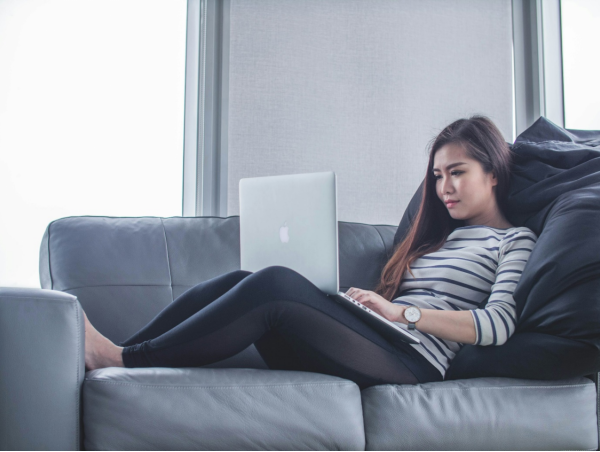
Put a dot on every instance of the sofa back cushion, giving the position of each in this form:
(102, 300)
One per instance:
(125, 270)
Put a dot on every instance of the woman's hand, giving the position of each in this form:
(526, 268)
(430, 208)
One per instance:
(377, 303)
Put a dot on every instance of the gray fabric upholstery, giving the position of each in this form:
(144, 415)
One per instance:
(117, 267)
(482, 414)
(220, 409)
(41, 369)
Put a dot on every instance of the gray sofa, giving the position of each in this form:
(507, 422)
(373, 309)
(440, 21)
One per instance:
(122, 271)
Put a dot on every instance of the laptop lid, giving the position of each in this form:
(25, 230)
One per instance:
(291, 220)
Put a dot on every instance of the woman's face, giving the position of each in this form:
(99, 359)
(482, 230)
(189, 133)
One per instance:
(462, 179)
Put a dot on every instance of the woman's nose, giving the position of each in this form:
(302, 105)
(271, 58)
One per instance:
(447, 185)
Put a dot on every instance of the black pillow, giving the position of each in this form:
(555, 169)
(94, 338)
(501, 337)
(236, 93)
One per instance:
(554, 191)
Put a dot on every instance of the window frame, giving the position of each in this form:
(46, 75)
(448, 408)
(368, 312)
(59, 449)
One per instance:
(206, 109)
(538, 73)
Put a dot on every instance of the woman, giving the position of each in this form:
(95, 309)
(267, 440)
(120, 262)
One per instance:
(440, 271)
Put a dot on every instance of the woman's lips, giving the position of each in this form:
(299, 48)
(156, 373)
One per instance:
(451, 204)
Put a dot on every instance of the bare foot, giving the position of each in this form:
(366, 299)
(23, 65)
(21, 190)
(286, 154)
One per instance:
(99, 351)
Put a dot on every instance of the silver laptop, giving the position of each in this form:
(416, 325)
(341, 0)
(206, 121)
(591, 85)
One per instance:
(291, 221)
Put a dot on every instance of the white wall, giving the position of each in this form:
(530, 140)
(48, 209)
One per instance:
(91, 117)
(360, 87)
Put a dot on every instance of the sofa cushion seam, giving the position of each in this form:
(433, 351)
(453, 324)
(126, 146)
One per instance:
(49, 260)
(597, 384)
(168, 260)
(59, 300)
(383, 243)
(119, 285)
(350, 384)
(487, 387)
(78, 398)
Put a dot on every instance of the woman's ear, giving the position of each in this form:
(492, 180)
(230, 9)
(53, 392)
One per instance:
(493, 178)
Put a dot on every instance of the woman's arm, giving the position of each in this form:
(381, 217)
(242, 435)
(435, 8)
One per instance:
(457, 326)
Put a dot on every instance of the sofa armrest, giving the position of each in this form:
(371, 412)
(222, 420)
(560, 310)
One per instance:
(42, 369)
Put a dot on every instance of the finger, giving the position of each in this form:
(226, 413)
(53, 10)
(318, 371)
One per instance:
(369, 303)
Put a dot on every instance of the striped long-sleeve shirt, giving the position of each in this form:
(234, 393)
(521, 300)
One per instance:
(475, 263)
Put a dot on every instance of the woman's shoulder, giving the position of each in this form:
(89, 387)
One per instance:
(499, 232)
(478, 230)
(504, 239)
(520, 233)
(519, 239)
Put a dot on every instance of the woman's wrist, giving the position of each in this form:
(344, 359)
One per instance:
(400, 314)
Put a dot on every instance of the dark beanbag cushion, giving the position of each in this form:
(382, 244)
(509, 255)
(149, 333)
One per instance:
(555, 191)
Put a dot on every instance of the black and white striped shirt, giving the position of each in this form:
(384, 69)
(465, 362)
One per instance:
(474, 263)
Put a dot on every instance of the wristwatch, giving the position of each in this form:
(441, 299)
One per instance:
(413, 315)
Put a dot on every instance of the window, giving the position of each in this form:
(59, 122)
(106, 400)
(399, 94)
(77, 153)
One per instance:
(91, 117)
(580, 20)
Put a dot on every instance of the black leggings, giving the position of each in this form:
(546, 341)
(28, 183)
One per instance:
(292, 323)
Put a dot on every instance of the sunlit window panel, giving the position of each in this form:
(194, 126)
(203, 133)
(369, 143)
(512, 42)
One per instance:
(580, 21)
(91, 117)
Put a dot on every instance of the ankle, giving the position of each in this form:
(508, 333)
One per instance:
(117, 356)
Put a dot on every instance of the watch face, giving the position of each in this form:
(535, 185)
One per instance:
(412, 314)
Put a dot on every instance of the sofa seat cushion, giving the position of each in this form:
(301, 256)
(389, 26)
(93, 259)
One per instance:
(493, 413)
(220, 409)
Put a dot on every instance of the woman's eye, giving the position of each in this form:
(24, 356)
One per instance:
(453, 173)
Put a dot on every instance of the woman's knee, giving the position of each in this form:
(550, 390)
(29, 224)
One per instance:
(277, 273)
(240, 273)
(234, 277)
(277, 279)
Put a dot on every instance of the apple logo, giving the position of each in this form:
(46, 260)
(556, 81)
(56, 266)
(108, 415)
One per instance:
(283, 233)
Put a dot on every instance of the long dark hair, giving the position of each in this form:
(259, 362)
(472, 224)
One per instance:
(483, 142)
